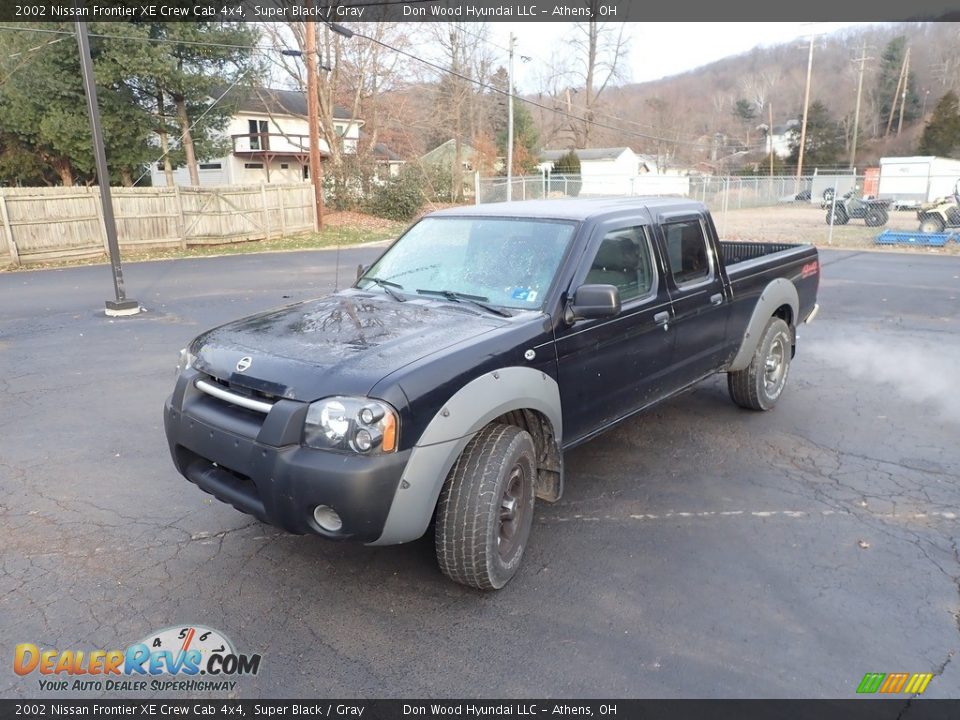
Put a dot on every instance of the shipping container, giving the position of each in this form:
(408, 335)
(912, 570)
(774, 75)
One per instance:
(910, 181)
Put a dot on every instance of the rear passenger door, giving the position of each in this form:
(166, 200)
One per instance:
(699, 295)
(611, 367)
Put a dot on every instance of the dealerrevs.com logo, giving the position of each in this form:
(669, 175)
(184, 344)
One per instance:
(187, 658)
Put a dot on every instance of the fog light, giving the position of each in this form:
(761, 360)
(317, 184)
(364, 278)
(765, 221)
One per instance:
(327, 518)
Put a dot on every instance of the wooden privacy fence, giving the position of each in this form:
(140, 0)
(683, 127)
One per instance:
(42, 224)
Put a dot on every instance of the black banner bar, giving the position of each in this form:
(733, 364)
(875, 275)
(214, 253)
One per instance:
(471, 10)
(854, 709)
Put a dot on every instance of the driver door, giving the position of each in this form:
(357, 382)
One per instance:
(611, 367)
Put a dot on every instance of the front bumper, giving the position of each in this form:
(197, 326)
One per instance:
(255, 462)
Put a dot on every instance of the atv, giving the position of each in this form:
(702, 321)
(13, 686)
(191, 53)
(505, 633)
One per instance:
(942, 213)
(851, 205)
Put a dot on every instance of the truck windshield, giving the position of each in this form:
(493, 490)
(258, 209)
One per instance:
(507, 262)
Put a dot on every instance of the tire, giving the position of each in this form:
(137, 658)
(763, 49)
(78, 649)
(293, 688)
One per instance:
(875, 217)
(486, 508)
(840, 216)
(932, 224)
(760, 384)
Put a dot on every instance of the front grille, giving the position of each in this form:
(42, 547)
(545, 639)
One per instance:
(224, 393)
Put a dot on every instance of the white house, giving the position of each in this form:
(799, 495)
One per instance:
(779, 139)
(269, 139)
(619, 171)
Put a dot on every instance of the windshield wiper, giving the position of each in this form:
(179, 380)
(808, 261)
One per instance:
(386, 285)
(477, 300)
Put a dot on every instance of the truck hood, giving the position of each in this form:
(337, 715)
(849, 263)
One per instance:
(342, 344)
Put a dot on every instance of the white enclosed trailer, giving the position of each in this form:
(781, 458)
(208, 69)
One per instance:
(911, 181)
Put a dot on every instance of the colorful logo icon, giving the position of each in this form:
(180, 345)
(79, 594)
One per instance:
(894, 683)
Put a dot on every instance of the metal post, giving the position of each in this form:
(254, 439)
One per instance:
(121, 305)
(313, 117)
(833, 210)
(806, 107)
(510, 122)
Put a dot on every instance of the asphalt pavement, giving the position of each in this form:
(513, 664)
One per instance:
(699, 551)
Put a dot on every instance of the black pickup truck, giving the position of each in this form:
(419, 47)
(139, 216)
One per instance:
(445, 385)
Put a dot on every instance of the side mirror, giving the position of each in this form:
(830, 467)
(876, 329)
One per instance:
(361, 269)
(594, 301)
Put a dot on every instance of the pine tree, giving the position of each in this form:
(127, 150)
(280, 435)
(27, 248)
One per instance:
(941, 136)
(891, 62)
(823, 143)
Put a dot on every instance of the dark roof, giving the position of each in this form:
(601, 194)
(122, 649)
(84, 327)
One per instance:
(569, 208)
(383, 152)
(273, 101)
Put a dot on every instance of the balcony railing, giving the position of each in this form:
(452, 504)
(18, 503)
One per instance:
(272, 143)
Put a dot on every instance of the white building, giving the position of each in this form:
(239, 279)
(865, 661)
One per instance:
(269, 137)
(619, 171)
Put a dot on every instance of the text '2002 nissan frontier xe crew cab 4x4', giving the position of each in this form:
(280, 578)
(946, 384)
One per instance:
(445, 385)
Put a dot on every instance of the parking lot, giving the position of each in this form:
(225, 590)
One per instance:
(699, 551)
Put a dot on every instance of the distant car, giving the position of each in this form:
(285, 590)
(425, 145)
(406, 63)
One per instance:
(802, 196)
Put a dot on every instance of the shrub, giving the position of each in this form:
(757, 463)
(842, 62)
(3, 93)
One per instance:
(400, 198)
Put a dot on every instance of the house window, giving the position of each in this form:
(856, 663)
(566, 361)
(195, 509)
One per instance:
(253, 166)
(284, 166)
(259, 140)
(211, 166)
(306, 172)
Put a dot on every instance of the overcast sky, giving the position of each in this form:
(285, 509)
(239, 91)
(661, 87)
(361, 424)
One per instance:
(657, 49)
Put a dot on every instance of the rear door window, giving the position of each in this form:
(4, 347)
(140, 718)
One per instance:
(687, 252)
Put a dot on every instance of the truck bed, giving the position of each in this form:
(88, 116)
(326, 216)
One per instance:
(736, 252)
(752, 265)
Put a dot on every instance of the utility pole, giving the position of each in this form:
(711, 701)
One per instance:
(121, 305)
(316, 171)
(806, 107)
(510, 121)
(896, 97)
(903, 97)
(770, 134)
(856, 114)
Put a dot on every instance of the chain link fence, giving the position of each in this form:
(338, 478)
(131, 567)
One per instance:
(822, 207)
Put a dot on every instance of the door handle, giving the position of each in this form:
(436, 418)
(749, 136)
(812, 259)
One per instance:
(716, 299)
(662, 318)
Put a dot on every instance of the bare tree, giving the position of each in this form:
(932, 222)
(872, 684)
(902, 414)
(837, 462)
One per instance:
(600, 51)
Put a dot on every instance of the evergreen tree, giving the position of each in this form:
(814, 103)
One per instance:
(567, 164)
(941, 136)
(43, 111)
(526, 140)
(891, 62)
(824, 142)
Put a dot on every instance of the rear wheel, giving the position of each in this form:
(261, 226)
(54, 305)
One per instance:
(760, 384)
(931, 224)
(486, 508)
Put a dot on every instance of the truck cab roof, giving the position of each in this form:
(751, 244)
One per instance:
(579, 209)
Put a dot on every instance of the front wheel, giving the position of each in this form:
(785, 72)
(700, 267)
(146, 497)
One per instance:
(875, 217)
(932, 224)
(486, 508)
(840, 216)
(760, 384)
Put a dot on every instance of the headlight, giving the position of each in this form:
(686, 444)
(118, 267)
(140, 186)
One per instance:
(186, 361)
(349, 424)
